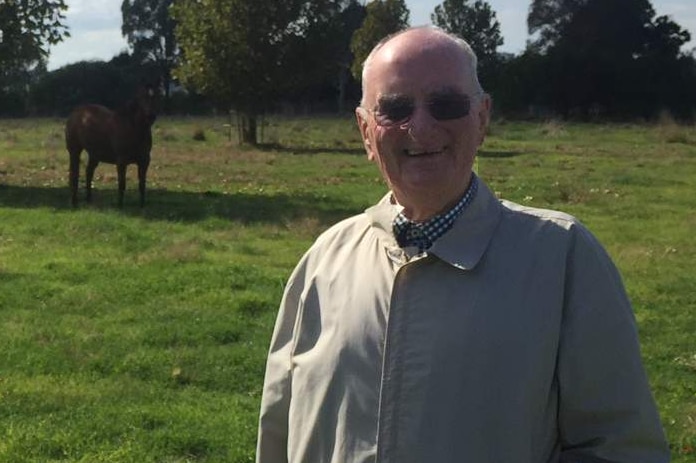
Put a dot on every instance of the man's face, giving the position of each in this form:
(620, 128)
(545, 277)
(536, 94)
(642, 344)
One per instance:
(424, 121)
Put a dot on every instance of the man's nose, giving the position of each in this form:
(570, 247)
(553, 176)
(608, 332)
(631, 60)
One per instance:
(420, 123)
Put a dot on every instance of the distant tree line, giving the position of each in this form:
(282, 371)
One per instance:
(585, 59)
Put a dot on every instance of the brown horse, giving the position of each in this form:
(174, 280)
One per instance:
(120, 137)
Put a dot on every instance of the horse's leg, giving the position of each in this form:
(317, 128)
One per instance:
(142, 179)
(89, 175)
(121, 171)
(74, 175)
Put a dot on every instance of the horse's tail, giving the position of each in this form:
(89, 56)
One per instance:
(72, 136)
(73, 144)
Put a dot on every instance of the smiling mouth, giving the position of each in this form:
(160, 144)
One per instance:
(421, 153)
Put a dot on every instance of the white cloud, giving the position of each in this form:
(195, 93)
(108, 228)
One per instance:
(79, 10)
(95, 29)
(87, 45)
(513, 30)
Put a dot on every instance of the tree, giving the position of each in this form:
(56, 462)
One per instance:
(248, 53)
(623, 26)
(59, 91)
(601, 55)
(149, 29)
(475, 23)
(383, 17)
(27, 29)
(668, 72)
(666, 37)
(549, 18)
(352, 18)
(322, 52)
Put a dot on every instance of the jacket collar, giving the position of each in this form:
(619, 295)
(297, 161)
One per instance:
(464, 244)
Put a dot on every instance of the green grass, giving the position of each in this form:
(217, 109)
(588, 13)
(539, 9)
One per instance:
(140, 335)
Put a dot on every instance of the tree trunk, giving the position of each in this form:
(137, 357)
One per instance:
(342, 83)
(249, 129)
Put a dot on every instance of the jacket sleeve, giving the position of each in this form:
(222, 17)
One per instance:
(272, 442)
(606, 410)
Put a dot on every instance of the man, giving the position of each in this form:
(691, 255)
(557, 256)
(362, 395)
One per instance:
(444, 325)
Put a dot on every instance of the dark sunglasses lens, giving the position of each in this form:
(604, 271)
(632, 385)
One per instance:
(449, 107)
(393, 112)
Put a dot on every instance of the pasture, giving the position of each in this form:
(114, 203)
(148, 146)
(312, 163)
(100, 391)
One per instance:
(140, 334)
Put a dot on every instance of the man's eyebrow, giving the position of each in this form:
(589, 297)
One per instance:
(393, 98)
(448, 91)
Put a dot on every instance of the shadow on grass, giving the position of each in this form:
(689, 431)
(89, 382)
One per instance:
(499, 154)
(309, 150)
(4, 276)
(188, 206)
(299, 150)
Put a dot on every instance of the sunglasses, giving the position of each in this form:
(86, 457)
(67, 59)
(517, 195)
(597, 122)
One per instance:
(393, 110)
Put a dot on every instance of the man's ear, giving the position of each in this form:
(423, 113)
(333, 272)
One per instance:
(361, 116)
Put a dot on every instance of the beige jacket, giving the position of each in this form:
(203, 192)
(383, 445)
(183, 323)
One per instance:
(511, 341)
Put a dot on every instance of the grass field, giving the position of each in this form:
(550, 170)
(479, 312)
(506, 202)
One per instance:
(140, 335)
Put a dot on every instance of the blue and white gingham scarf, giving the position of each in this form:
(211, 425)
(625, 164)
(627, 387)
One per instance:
(422, 235)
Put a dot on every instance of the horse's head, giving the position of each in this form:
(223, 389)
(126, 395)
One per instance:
(147, 102)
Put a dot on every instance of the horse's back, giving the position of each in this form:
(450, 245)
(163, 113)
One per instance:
(120, 136)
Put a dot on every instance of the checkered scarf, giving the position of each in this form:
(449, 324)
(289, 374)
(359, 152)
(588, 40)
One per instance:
(423, 234)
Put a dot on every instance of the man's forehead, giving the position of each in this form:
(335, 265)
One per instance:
(426, 81)
(417, 44)
(409, 66)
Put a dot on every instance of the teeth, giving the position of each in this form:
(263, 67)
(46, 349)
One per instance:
(419, 153)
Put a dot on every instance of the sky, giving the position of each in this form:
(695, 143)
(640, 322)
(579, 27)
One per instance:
(95, 26)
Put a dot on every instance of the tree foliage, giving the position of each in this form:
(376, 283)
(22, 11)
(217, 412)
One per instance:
(600, 59)
(109, 84)
(149, 29)
(322, 49)
(350, 20)
(548, 19)
(27, 29)
(475, 23)
(383, 17)
(606, 56)
(250, 53)
(618, 27)
(60, 91)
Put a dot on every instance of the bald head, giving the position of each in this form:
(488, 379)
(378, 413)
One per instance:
(411, 43)
(422, 118)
